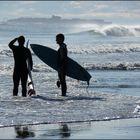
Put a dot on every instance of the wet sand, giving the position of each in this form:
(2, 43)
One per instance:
(114, 129)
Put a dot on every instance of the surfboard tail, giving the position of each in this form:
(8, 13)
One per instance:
(31, 90)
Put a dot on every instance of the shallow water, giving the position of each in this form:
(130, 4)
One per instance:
(112, 60)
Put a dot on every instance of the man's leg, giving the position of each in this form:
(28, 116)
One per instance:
(24, 77)
(63, 84)
(16, 80)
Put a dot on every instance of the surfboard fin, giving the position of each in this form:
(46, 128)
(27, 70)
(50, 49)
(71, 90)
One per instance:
(87, 84)
(31, 92)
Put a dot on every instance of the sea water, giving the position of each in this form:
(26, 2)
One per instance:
(110, 53)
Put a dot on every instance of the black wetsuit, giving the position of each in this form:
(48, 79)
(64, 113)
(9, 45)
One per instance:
(62, 61)
(21, 54)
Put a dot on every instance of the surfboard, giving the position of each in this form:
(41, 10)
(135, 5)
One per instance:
(31, 90)
(49, 56)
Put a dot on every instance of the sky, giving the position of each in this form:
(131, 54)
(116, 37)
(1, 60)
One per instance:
(125, 12)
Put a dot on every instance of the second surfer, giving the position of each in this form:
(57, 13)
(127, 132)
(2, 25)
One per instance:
(62, 60)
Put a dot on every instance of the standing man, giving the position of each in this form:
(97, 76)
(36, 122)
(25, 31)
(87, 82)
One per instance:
(62, 60)
(21, 54)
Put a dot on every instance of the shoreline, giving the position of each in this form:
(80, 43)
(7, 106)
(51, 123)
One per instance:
(70, 122)
(115, 129)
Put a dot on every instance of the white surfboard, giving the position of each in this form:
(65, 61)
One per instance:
(31, 89)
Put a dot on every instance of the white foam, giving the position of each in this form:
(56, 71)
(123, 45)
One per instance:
(111, 30)
(137, 109)
(113, 66)
(105, 48)
(122, 30)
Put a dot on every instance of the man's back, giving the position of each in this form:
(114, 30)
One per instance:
(21, 54)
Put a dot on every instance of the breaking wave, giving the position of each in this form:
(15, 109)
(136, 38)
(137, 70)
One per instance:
(40, 27)
(122, 31)
(113, 30)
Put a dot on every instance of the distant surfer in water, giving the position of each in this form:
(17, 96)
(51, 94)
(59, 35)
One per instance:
(21, 54)
(62, 60)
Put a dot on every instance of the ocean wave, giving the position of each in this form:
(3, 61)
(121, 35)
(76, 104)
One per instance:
(4, 68)
(6, 52)
(98, 49)
(38, 27)
(113, 30)
(106, 48)
(41, 68)
(114, 66)
(112, 86)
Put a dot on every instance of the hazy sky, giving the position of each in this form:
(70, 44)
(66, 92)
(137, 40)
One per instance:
(115, 11)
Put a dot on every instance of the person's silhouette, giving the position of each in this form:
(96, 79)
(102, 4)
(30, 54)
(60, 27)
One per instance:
(21, 54)
(62, 61)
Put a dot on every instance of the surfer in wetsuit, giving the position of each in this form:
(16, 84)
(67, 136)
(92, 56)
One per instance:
(21, 54)
(62, 60)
